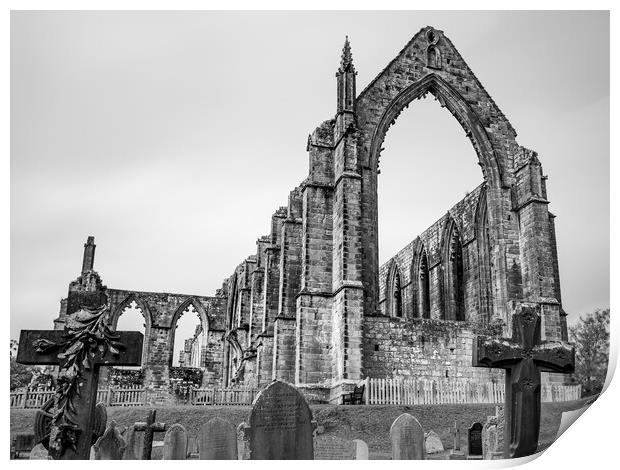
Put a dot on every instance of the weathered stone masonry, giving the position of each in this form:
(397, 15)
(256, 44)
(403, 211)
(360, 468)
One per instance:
(312, 306)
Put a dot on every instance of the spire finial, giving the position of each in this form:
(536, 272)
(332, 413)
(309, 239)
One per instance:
(346, 61)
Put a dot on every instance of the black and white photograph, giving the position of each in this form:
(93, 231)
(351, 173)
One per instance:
(307, 235)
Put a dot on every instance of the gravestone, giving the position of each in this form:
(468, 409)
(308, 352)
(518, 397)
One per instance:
(281, 425)
(243, 444)
(327, 447)
(217, 440)
(524, 357)
(489, 441)
(39, 452)
(135, 443)
(474, 441)
(110, 446)
(361, 449)
(456, 453)
(433, 443)
(568, 418)
(150, 427)
(407, 438)
(175, 443)
(192, 448)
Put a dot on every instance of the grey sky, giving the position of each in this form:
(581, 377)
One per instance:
(173, 136)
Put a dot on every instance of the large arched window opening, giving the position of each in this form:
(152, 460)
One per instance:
(394, 293)
(189, 339)
(486, 273)
(454, 289)
(132, 317)
(427, 165)
(423, 287)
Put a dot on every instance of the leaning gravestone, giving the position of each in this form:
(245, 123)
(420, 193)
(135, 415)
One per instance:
(334, 448)
(474, 441)
(361, 449)
(407, 438)
(433, 443)
(175, 443)
(281, 425)
(243, 445)
(217, 440)
(110, 446)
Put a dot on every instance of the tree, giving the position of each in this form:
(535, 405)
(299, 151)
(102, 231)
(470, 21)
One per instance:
(21, 375)
(590, 336)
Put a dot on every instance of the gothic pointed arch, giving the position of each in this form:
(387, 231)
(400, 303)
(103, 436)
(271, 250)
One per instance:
(232, 318)
(420, 277)
(486, 273)
(394, 292)
(202, 315)
(453, 286)
(146, 314)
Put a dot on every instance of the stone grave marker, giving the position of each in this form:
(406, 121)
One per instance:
(407, 438)
(281, 425)
(86, 310)
(433, 443)
(327, 447)
(568, 418)
(243, 444)
(456, 453)
(361, 449)
(110, 446)
(135, 442)
(489, 441)
(192, 448)
(524, 357)
(175, 443)
(39, 452)
(150, 427)
(474, 441)
(217, 440)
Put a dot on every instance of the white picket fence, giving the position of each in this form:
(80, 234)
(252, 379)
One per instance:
(121, 396)
(432, 392)
(222, 396)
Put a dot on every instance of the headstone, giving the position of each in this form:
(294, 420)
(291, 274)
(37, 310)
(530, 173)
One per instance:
(361, 449)
(39, 452)
(281, 425)
(192, 448)
(328, 447)
(175, 443)
(86, 310)
(456, 453)
(474, 441)
(489, 441)
(135, 443)
(243, 443)
(524, 357)
(110, 446)
(433, 443)
(217, 440)
(407, 438)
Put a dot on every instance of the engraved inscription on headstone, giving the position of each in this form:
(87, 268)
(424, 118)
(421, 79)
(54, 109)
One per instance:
(281, 425)
(217, 440)
(175, 443)
(110, 446)
(407, 438)
(334, 448)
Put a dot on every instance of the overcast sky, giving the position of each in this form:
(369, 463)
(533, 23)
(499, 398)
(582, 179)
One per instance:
(173, 136)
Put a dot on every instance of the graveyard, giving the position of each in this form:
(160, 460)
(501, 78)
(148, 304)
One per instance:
(369, 423)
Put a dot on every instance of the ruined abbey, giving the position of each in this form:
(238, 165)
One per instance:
(313, 307)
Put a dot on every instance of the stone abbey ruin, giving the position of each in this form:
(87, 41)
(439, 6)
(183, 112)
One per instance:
(313, 307)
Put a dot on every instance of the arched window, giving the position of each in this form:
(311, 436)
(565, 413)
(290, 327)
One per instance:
(454, 292)
(394, 293)
(424, 286)
(433, 57)
(485, 263)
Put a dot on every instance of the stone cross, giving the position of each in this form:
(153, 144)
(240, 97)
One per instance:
(86, 400)
(110, 446)
(150, 427)
(523, 357)
(407, 438)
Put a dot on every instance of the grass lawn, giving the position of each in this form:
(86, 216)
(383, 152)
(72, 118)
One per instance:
(370, 423)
